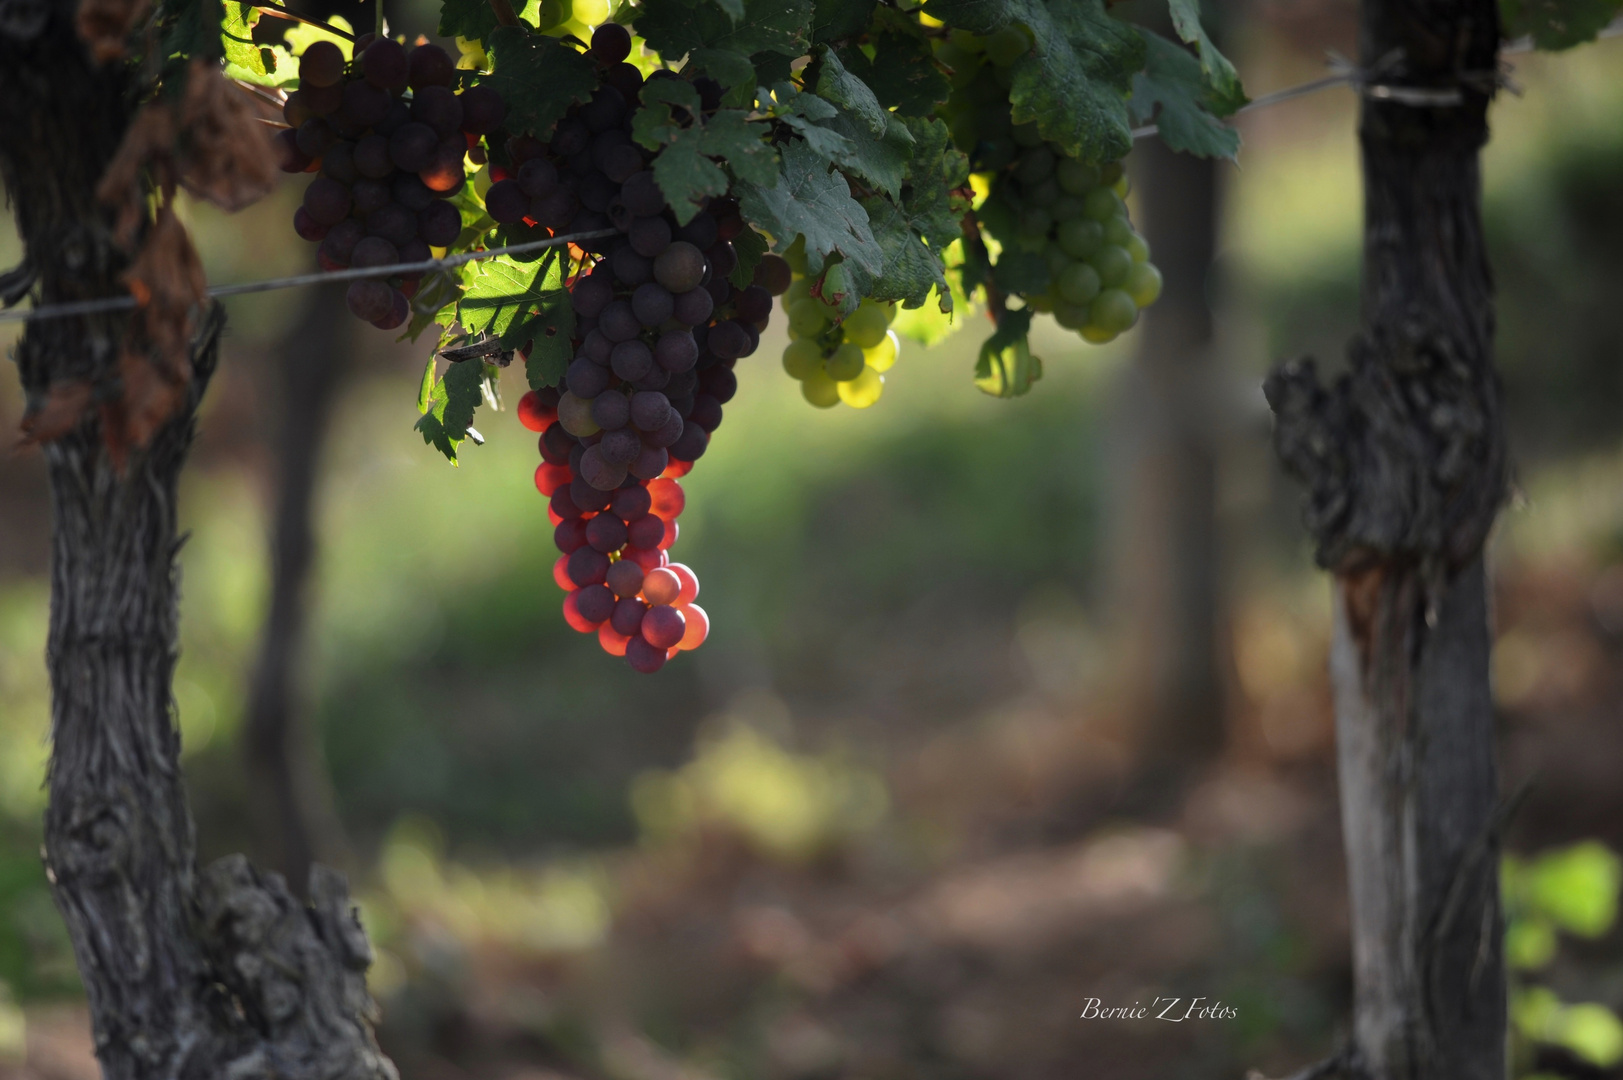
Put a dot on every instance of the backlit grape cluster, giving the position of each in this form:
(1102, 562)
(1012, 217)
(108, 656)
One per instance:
(1043, 202)
(838, 359)
(659, 327)
(390, 138)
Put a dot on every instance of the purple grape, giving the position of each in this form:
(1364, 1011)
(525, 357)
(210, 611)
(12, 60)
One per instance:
(369, 196)
(537, 177)
(723, 258)
(627, 617)
(668, 432)
(610, 411)
(399, 114)
(365, 104)
(371, 156)
(650, 409)
(570, 138)
(385, 65)
(597, 347)
(308, 227)
(621, 163)
(339, 163)
(679, 267)
(706, 412)
(323, 100)
(439, 108)
(720, 383)
(626, 79)
(645, 532)
(430, 65)
(753, 304)
(728, 340)
(592, 296)
(483, 110)
(399, 311)
(394, 223)
(601, 473)
(773, 274)
(606, 533)
(587, 566)
(570, 535)
(374, 251)
(556, 444)
(412, 148)
(720, 289)
(693, 443)
(506, 201)
(650, 462)
(315, 137)
(369, 300)
(606, 110)
(630, 268)
(651, 236)
(700, 232)
(322, 64)
(641, 194)
(621, 446)
(555, 209)
(339, 246)
(631, 360)
(611, 43)
(653, 304)
(409, 192)
(439, 223)
(694, 308)
(326, 200)
(630, 502)
(583, 493)
(586, 379)
(563, 503)
(616, 320)
(676, 351)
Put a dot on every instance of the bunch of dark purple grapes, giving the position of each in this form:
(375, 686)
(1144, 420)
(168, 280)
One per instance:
(659, 328)
(390, 138)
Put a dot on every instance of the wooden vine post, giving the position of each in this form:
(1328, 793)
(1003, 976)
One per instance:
(1405, 460)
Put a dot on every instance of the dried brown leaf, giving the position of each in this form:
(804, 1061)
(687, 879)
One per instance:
(228, 157)
(167, 281)
(150, 139)
(105, 25)
(64, 406)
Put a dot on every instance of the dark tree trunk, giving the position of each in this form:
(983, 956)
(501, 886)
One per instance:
(1168, 603)
(189, 975)
(1405, 459)
(289, 796)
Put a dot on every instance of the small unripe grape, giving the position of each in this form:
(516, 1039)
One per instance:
(1101, 204)
(864, 390)
(1078, 284)
(1076, 177)
(808, 317)
(846, 363)
(882, 357)
(1138, 248)
(802, 359)
(1144, 284)
(1081, 237)
(821, 390)
(1113, 310)
(575, 414)
(1072, 316)
(866, 326)
(1113, 264)
(1007, 45)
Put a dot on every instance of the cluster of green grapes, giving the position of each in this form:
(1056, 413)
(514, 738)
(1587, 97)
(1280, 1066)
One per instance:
(1094, 271)
(838, 359)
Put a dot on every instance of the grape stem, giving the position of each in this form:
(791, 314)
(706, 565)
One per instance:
(504, 13)
(996, 304)
(284, 13)
(377, 21)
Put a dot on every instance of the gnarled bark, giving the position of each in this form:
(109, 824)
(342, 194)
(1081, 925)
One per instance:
(1405, 460)
(188, 975)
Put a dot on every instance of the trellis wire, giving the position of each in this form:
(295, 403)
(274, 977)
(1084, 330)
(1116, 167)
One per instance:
(1348, 75)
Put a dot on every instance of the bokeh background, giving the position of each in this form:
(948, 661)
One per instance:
(1007, 704)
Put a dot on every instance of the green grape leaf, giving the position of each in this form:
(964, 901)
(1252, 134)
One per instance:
(1226, 93)
(1006, 367)
(850, 93)
(425, 389)
(673, 28)
(1171, 91)
(785, 99)
(835, 19)
(882, 160)
(811, 200)
(933, 200)
(908, 269)
(539, 77)
(750, 246)
(436, 299)
(551, 348)
(728, 68)
(502, 290)
(733, 8)
(826, 142)
(452, 404)
(237, 39)
(1074, 82)
(683, 166)
(903, 73)
(470, 19)
(1557, 24)
(300, 36)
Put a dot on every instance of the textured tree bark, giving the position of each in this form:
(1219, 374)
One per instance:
(1169, 602)
(189, 975)
(289, 795)
(1405, 461)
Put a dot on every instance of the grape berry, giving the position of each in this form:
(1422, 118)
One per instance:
(836, 359)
